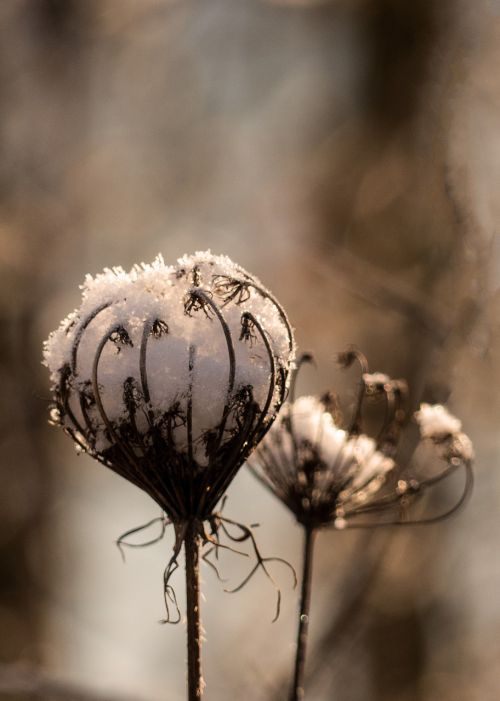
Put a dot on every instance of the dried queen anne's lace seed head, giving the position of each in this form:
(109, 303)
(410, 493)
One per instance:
(317, 468)
(326, 473)
(170, 375)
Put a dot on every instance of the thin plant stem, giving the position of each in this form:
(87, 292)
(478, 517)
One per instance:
(192, 550)
(297, 692)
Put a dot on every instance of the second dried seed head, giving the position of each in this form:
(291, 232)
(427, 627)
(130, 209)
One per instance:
(327, 471)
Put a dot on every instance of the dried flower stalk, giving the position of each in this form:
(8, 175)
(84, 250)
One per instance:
(329, 475)
(170, 376)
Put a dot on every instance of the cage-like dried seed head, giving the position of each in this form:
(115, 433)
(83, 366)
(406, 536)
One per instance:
(316, 468)
(326, 470)
(170, 375)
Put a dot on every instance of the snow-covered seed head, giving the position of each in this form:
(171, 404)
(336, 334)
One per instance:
(170, 375)
(327, 470)
(316, 468)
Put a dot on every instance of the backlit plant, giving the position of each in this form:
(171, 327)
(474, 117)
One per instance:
(170, 376)
(328, 472)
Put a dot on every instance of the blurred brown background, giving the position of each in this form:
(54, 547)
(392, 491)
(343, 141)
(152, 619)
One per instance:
(348, 153)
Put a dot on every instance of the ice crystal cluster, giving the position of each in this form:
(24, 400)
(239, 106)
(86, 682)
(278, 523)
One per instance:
(170, 375)
(327, 473)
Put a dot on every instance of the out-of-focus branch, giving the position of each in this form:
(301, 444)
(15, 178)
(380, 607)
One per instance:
(27, 682)
(365, 281)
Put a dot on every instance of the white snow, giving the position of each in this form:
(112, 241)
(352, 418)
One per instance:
(341, 457)
(435, 421)
(130, 302)
(462, 445)
(376, 378)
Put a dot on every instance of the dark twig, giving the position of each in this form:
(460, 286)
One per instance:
(345, 360)
(172, 566)
(246, 534)
(122, 542)
(192, 550)
(297, 691)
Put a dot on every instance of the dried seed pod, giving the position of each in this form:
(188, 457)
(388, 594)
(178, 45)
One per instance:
(171, 375)
(329, 472)
(317, 468)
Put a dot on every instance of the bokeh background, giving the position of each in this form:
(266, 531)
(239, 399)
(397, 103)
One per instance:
(346, 152)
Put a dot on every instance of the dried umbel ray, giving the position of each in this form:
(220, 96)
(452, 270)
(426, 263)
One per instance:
(171, 375)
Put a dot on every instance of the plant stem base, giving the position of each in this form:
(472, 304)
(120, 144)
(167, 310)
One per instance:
(192, 551)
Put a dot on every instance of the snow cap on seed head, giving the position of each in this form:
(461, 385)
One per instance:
(436, 420)
(317, 468)
(438, 424)
(187, 362)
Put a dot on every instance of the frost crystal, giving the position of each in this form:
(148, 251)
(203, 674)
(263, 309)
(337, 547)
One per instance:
(170, 375)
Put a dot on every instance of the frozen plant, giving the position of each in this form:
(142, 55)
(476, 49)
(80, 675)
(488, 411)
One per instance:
(436, 422)
(328, 472)
(170, 376)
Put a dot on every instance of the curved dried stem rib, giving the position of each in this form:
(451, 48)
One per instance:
(396, 392)
(466, 492)
(73, 369)
(81, 330)
(345, 360)
(411, 488)
(197, 293)
(283, 315)
(146, 332)
(170, 497)
(64, 395)
(90, 429)
(302, 360)
(189, 412)
(128, 455)
(232, 463)
(272, 367)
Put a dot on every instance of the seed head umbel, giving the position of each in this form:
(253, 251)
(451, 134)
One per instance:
(326, 470)
(171, 375)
